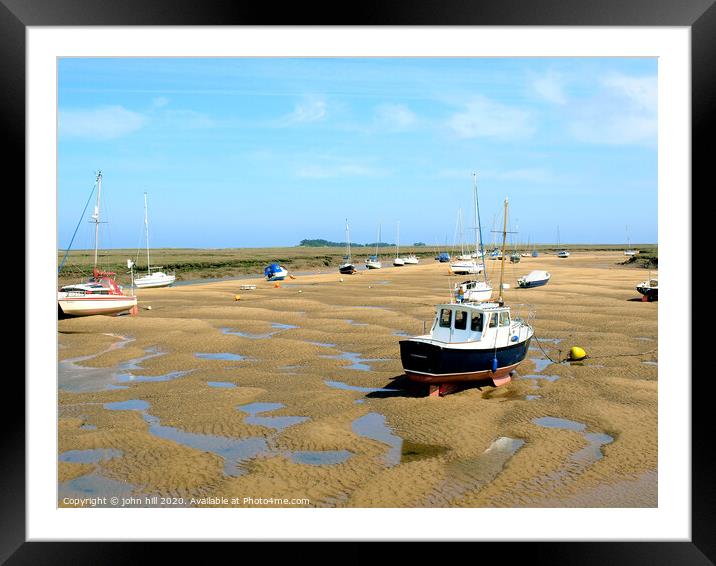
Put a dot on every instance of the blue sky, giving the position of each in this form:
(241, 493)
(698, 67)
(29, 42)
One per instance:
(266, 152)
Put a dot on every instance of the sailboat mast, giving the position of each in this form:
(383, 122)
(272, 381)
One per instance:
(504, 240)
(348, 241)
(377, 243)
(95, 217)
(397, 240)
(146, 227)
(478, 234)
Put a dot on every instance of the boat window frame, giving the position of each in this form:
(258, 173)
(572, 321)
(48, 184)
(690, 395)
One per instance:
(463, 321)
(477, 315)
(440, 318)
(492, 319)
(503, 315)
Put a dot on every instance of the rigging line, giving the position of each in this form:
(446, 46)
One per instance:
(67, 251)
(590, 357)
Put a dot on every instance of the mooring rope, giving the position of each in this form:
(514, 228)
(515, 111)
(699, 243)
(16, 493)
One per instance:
(561, 361)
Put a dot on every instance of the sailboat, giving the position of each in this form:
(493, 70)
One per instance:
(561, 253)
(347, 267)
(100, 294)
(158, 278)
(468, 342)
(373, 262)
(629, 252)
(649, 289)
(398, 261)
(466, 264)
(474, 290)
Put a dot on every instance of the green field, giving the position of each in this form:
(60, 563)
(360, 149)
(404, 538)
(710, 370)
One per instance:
(191, 263)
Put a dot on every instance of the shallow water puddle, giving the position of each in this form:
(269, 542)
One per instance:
(351, 321)
(590, 453)
(228, 356)
(76, 378)
(222, 384)
(94, 484)
(91, 456)
(320, 458)
(345, 386)
(373, 426)
(540, 363)
(323, 344)
(277, 423)
(233, 451)
(358, 362)
(473, 473)
(278, 325)
(550, 378)
(400, 333)
(651, 363)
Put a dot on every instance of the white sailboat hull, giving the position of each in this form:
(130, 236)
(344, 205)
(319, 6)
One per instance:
(373, 264)
(156, 279)
(99, 305)
(411, 260)
(466, 268)
(398, 262)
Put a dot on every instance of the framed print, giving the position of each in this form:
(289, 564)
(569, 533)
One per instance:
(268, 214)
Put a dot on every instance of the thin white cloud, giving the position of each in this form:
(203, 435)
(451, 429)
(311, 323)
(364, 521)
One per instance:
(187, 119)
(550, 87)
(160, 102)
(484, 118)
(336, 170)
(529, 175)
(103, 123)
(394, 117)
(311, 109)
(625, 113)
(640, 91)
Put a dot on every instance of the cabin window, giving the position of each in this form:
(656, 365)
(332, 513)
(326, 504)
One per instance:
(445, 318)
(460, 320)
(493, 320)
(476, 322)
(504, 319)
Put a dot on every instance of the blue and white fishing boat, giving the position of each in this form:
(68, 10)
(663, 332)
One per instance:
(274, 272)
(534, 279)
(468, 342)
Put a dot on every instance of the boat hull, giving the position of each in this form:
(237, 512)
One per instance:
(347, 269)
(88, 306)
(154, 282)
(373, 265)
(529, 284)
(429, 363)
(649, 293)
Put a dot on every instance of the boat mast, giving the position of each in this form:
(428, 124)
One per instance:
(504, 240)
(146, 226)
(397, 241)
(377, 243)
(481, 251)
(348, 241)
(95, 217)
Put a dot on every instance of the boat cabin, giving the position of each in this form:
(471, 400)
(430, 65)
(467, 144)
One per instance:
(455, 323)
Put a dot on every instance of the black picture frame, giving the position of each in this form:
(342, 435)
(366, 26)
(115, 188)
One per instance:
(698, 15)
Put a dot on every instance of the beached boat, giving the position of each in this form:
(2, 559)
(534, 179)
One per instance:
(275, 272)
(411, 259)
(152, 278)
(398, 261)
(100, 294)
(629, 252)
(515, 257)
(649, 289)
(561, 253)
(347, 267)
(534, 279)
(468, 342)
(475, 291)
(373, 261)
(465, 264)
(443, 257)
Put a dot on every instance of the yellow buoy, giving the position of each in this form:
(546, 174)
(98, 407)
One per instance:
(237, 297)
(577, 353)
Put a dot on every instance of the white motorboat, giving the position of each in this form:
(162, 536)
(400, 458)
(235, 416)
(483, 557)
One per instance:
(411, 259)
(535, 278)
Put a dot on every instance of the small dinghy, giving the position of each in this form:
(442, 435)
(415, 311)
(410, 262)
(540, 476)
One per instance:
(534, 279)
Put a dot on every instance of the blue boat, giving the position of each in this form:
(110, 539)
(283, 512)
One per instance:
(443, 257)
(274, 272)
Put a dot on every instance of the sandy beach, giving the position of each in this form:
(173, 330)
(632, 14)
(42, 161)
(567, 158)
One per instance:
(295, 394)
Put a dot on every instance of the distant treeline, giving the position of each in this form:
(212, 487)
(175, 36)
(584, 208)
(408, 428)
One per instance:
(320, 243)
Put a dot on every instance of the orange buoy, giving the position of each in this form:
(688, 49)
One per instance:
(277, 285)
